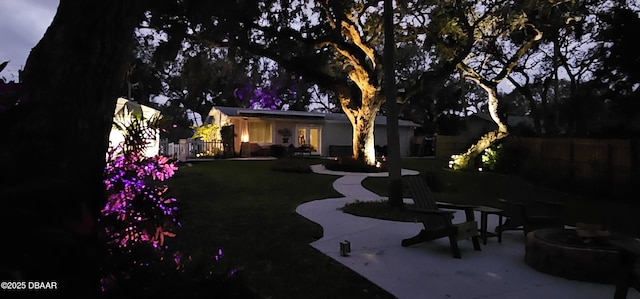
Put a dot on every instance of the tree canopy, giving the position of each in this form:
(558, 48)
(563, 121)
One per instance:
(587, 84)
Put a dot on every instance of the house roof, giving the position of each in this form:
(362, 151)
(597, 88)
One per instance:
(125, 107)
(247, 112)
(512, 120)
(286, 114)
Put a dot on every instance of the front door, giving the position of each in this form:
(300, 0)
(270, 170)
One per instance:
(309, 135)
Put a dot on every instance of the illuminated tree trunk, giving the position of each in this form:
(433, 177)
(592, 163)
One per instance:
(465, 160)
(493, 108)
(363, 118)
(363, 122)
(363, 139)
(364, 73)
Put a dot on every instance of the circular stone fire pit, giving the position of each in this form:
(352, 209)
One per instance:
(563, 253)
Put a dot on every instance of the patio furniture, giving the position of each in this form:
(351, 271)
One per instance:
(628, 263)
(484, 214)
(252, 149)
(301, 150)
(438, 223)
(526, 207)
(530, 216)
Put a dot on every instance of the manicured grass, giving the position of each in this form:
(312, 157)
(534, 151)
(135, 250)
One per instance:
(248, 210)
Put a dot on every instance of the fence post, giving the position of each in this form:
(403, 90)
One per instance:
(183, 150)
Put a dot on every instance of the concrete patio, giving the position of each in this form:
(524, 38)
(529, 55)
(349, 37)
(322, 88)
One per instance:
(428, 270)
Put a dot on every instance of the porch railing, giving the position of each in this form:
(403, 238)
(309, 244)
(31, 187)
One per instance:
(191, 149)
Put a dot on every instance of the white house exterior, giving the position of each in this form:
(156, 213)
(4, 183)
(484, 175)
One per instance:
(320, 130)
(124, 113)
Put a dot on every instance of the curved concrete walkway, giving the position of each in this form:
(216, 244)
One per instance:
(428, 270)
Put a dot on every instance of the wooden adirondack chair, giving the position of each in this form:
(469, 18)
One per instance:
(531, 216)
(438, 223)
(527, 212)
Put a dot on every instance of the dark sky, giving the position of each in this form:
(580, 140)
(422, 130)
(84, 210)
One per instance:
(22, 23)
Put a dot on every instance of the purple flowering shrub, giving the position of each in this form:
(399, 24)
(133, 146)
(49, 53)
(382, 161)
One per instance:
(138, 215)
(139, 211)
(139, 220)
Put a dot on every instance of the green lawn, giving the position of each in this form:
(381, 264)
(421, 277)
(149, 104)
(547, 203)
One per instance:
(248, 210)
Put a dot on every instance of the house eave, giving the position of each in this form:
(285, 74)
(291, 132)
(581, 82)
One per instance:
(301, 115)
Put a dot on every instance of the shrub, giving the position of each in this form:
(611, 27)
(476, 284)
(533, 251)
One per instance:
(490, 157)
(503, 158)
(353, 165)
(137, 223)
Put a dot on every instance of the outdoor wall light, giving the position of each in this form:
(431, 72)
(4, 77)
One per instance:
(345, 248)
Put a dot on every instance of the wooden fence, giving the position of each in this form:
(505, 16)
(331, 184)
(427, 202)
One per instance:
(579, 159)
(566, 159)
(450, 145)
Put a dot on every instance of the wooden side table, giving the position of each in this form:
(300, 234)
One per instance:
(484, 213)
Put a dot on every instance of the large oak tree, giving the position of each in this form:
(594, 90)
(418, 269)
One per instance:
(334, 44)
(493, 37)
(56, 135)
(55, 139)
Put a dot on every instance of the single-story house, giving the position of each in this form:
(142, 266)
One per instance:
(481, 123)
(324, 134)
(125, 112)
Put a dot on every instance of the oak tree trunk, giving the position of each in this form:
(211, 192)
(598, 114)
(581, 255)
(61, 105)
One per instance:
(56, 140)
(363, 137)
(467, 158)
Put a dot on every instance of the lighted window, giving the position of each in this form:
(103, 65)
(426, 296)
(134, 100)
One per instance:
(260, 132)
